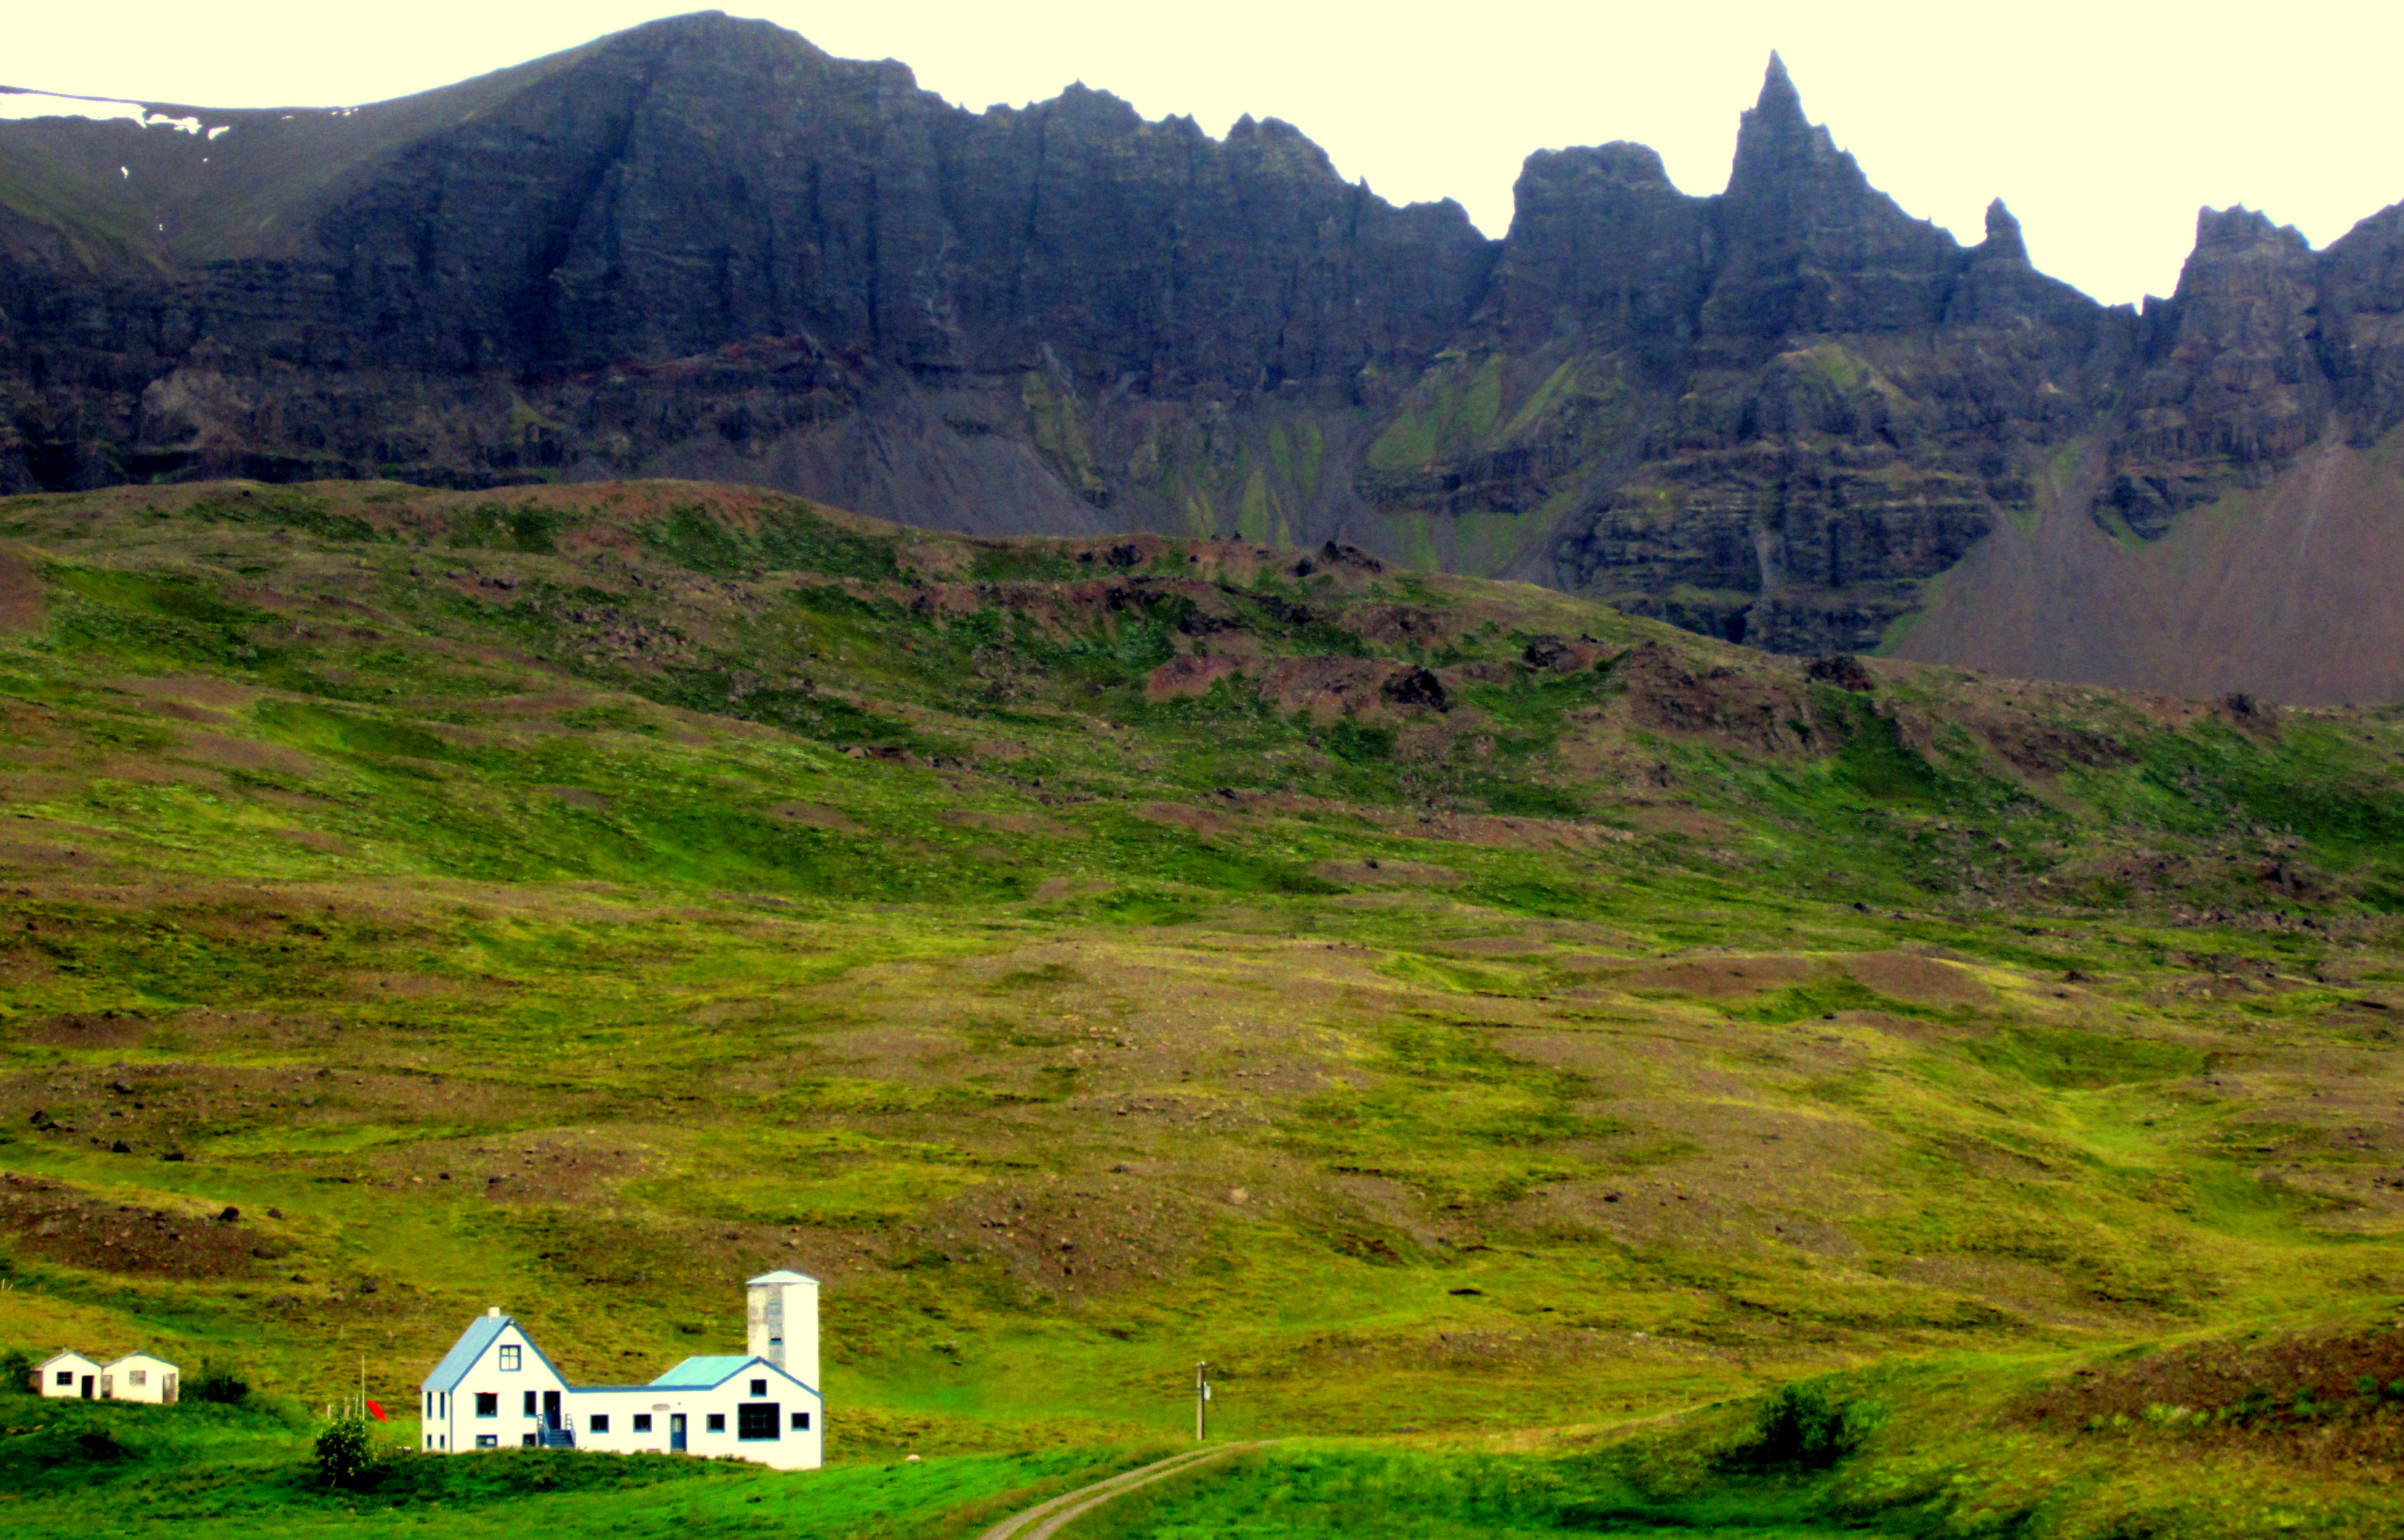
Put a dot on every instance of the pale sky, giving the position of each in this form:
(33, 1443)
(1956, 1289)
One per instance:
(2103, 124)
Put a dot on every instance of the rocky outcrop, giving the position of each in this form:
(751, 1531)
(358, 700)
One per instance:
(705, 248)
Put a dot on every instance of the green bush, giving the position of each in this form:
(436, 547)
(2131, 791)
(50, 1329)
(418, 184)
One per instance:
(345, 1457)
(1804, 1428)
(219, 1382)
(17, 1373)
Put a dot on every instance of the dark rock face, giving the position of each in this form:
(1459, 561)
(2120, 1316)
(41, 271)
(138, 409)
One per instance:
(705, 248)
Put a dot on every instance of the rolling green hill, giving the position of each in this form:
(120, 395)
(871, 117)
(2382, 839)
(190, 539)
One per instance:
(1509, 1039)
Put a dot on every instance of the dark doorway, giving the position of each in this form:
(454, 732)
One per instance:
(551, 1410)
(87, 1387)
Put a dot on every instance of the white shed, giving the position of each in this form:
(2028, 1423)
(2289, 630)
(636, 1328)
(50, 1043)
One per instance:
(68, 1373)
(494, 1389)
(139, 1376)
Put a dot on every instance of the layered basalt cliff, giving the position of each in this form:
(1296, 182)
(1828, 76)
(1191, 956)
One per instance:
(707, 249)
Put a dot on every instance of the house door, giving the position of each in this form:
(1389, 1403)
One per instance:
(87, 1387)
(676, 1431)
(551, 1410)
(167, 1389)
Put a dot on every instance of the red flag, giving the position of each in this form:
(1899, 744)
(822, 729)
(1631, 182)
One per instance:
(377, 1412)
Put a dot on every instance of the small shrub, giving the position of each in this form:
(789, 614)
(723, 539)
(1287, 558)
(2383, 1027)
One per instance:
(219, 1382)
(1802, 1428)
(345, 1457)
(17, 1373)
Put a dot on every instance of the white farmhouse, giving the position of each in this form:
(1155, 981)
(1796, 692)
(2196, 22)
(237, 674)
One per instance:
(492, 1389)
(139, 1376)
(68, 1375)
(495, 1388)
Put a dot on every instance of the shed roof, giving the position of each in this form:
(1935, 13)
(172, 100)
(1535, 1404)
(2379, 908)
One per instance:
(781, 1275)
(139, 1357)
(63, 1354)
(703, 1372)
(711, 1370)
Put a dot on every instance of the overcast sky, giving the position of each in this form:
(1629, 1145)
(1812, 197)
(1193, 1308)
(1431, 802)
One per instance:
(2104, 125)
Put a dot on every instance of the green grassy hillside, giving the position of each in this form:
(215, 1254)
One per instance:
(1477, 1022)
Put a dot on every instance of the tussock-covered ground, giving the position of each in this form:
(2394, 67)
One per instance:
(1444, 1005)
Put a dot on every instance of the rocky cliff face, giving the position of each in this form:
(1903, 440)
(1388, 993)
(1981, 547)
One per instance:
(707, 249)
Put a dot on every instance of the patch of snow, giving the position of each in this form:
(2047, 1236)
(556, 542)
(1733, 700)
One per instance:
(20, 105)
(221, 128)
(127, 175)
(17, 106)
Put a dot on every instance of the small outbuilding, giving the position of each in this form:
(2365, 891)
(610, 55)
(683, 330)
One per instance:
(68, 1376)
(139, 1376)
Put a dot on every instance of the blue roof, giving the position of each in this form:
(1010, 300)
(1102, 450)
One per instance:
(710, 1369)
(463, 1353)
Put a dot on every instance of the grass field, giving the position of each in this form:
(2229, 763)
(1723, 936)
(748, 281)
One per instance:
(1507, 1039)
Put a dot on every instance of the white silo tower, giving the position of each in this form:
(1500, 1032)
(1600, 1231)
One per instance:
(782, 1316)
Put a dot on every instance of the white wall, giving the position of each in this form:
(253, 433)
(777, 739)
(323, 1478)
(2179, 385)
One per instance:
(792, 1448)
(75, 1366)
(453, 1429)
(139, 1376)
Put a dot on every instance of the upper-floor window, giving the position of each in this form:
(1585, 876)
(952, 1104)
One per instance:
(759, 1387)
(510, 1356)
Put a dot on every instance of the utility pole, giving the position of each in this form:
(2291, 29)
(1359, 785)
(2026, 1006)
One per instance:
(1201, 1402)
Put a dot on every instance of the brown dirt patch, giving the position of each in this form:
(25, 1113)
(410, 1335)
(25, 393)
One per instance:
(1921, 981)
(578, 796)
(246, 754)
(65, 1225)
(1717, 978)
(22, 609)
(811, 815)
(84, 1030)
(1188, 675)
(1201, 820)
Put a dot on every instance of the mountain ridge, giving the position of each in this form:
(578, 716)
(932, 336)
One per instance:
(704, 248)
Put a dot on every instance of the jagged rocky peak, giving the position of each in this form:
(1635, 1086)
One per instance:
(1808, 246)
(2004, 242)
(1776, 143)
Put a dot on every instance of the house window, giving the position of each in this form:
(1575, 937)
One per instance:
(717, 1422)
(510, 1356)
(66, 1377)
(529, 1403)
(759, 1387)
(801, 1422)
(142, 1377)
(487, 1441)
(526, 1440)
(756, 1421)
(642, 1422)
(601, 1423)
(488, 1404)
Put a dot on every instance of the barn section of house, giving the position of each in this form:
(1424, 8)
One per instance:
(495, 1388)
